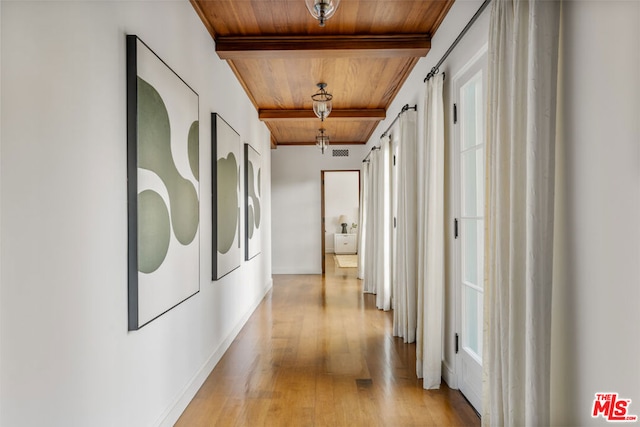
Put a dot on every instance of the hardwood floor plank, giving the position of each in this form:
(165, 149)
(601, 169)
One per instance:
(317, 352)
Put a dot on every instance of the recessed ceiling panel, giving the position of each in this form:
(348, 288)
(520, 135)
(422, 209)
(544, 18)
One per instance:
(339, 131)
(277, 17)
(354, 82)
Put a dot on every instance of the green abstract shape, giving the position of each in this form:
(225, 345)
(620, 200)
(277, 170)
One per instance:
(255, 199)
(154, 231)
(154, 154)
(259, 182)
(194, 149)
(227, 176)
(251, 222)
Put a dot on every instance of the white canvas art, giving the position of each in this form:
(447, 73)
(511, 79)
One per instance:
(164, 196)
(253, 201)
(227, 253)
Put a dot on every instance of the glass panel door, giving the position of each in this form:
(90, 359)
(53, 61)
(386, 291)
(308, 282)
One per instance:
(469, 89)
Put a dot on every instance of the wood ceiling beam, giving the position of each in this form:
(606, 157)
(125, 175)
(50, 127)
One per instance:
(331, 143)
(372, 114)
(337, 46)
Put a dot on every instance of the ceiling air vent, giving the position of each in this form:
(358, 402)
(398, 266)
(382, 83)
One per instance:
(340, 153)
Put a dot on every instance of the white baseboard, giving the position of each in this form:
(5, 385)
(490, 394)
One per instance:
(449, 375)
(171, 415)
(295, 270)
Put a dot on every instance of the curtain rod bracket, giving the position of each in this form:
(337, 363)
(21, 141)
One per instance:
(374, 148)
(405, 107)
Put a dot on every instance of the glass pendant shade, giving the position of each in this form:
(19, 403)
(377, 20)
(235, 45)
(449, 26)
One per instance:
(322, 102)
(322, 9)
(322, 140)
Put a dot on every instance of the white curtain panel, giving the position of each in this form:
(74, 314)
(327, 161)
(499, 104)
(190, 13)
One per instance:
(405, 288)
(430, 257)
(362, 220)
(523, 59)
(368, 285)
(382, 231)
(395, 142)
(377, 274)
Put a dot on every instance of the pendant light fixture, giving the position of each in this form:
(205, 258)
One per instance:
(322, 102)
(322, 139)
(322, 9)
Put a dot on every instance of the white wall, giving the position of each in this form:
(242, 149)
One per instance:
(66, 358)
(341, 197)
(295, 186)
(596, 320)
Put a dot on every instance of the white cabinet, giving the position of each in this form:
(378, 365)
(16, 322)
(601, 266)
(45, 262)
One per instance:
(345, 243)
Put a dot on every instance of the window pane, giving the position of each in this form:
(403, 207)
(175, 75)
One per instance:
(472, 322)
(469, 234)
(473, 182)
(472, 235)
(471, 118)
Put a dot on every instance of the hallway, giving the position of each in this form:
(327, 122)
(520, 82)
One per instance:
(317, 352)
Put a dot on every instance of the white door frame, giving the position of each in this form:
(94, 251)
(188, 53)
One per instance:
(468, 378)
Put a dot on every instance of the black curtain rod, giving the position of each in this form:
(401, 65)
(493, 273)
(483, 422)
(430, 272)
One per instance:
(405, 108)
(475, 17)
(374, 148)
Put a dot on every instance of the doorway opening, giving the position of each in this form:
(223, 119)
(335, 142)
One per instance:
(340, 212)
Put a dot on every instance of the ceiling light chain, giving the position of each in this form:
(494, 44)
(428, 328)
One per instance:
(322, 9)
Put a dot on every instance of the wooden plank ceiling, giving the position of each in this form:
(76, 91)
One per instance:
(279, 53)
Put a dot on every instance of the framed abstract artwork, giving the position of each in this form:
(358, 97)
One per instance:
(225, 187)
(252, 201)
(163, 186)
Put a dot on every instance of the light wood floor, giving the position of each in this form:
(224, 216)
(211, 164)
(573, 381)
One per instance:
(317, 352)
